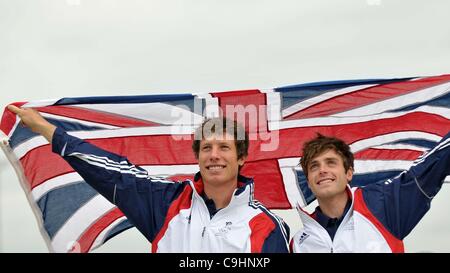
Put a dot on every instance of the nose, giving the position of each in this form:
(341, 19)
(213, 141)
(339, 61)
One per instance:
(214, 152)
(323, 169)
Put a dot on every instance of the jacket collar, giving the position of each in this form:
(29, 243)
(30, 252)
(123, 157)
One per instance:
(305, 216)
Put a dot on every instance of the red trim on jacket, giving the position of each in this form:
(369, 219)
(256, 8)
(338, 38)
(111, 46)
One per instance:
(182, 202)
(291, 246)
(261, 226)
(360, 206)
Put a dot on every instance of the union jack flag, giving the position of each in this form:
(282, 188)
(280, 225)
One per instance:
(388, 123)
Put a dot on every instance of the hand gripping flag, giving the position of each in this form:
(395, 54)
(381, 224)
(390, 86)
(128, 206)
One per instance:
(388, 123)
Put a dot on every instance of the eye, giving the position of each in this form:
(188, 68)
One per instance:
(225, 147)
(332, 162)
(206, 148)
(313, 166)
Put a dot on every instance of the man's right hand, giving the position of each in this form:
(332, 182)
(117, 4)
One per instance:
(32, 119)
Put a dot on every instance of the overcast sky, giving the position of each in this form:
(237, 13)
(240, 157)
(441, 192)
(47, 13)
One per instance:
(64, 48)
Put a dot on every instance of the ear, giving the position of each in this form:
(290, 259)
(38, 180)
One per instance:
(241, 160)
(349, 174)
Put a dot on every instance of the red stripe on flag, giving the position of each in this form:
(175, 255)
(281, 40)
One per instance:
(292, 140)
(269, 186)
(252, 103)
(87, 239)
(367, 96)
(140, 150)
(41, 164)
(387, 154)
(9, 119)
(235, 93)
(95, 116)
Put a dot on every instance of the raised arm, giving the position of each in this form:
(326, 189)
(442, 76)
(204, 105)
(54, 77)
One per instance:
(144, 200)
(399, 203)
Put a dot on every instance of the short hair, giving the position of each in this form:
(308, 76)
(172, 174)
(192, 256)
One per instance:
(222, 125)
(320, 144)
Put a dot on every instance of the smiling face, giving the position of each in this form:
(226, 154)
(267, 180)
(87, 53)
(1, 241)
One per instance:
(327, 177)
(218, 160)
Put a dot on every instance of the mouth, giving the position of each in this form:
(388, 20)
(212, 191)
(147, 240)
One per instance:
(215, 167)
(325, 181)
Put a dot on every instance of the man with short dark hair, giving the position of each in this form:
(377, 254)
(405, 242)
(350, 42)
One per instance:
(214, 213)
(374, 218)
